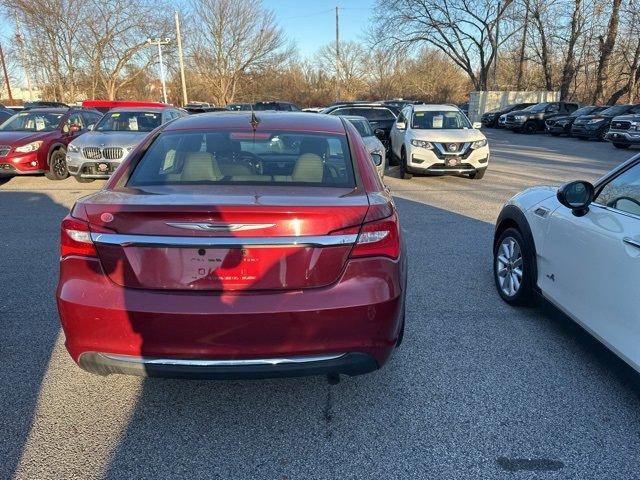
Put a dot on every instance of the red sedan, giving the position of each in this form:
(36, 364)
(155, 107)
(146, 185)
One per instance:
(234, 246)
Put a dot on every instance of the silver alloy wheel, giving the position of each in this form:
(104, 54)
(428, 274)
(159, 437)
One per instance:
(509, 266)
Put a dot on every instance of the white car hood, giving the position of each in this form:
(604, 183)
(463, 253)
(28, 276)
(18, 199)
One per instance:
(451, 136)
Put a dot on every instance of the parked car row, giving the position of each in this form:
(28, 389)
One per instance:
(619, 124)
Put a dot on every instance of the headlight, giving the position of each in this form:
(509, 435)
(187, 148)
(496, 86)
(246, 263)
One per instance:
(479, 143)
(29, 147)
(520, 117)
(596, 120)
(421, 144)
(72, 148)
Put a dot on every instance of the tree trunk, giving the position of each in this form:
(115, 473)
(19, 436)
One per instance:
(523, 44)
(569, 70)
(606, 49)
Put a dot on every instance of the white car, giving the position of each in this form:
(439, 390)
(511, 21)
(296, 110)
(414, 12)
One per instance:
(371, 139)
(579, 247)
(438, 140)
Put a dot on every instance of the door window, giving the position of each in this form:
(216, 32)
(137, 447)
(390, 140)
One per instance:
(623, 192)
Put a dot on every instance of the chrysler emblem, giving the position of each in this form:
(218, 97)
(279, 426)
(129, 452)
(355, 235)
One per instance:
(221, 227)
(452, 147)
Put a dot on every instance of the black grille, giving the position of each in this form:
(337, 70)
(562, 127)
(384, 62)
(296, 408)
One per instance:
(94, 168)
(620, 125)
(442, 166)
(4, 150)
(510, 118)
(92, 153)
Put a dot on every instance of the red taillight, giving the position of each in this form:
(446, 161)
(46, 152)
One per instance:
(378, 239)
(75, 238)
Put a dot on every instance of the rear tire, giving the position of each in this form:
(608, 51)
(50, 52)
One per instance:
(513, 267)
(621, 145)
(57, 165)
(478, 174)
(406, 173)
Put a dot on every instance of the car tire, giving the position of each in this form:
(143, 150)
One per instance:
(404, 169)
(530, 127)
(478, 174)
(84, 180)
(506, 265)
(57, 165)
(601, 134)
(621, 145)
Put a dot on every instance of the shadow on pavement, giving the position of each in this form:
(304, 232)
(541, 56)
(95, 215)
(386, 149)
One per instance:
(29, 239)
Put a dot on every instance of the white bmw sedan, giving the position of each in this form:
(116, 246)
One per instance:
(579, 247)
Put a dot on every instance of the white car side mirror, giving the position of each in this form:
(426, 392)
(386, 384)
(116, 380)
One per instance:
(476, 125)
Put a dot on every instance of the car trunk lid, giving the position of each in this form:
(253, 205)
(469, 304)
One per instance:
(237, 239)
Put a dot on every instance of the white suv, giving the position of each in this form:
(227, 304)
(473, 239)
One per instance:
(439, 140)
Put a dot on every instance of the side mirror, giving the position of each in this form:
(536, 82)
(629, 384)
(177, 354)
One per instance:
(476, 125)
(378, 132)
(74, 128)
(377, 159)
(576, 196)
(91, 127)
(401, 125)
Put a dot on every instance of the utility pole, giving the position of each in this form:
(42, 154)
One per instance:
(180, 56)
(23, 58)
(6, 75)
(159, 42)
(337, 55)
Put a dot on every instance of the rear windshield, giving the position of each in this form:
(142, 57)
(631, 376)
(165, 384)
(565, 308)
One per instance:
(129, 122)
(273, 158)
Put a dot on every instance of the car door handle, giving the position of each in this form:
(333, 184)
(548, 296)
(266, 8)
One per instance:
(631, 241)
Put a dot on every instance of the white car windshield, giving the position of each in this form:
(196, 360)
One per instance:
(32, 122)
(439, 120)
(129, 122)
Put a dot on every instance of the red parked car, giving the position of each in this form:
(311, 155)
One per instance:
(35, 140)
(235, 246)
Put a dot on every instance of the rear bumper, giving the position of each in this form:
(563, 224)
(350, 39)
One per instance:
(360, 314)
(346, 364)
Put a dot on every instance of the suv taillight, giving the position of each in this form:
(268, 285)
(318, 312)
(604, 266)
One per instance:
(379, 238)
(75, 238)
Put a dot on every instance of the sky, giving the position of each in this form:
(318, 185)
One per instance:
(311, 24)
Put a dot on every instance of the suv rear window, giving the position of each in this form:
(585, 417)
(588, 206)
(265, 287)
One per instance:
(245, 158)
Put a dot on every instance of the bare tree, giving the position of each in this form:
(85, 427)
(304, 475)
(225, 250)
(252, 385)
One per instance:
(464, 31)
(569, 69)
(606, 49)
(231, 39)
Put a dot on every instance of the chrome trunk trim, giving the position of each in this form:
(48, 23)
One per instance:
(231, 242)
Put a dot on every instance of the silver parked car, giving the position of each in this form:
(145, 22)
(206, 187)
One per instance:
(372, 141)
(97, 153)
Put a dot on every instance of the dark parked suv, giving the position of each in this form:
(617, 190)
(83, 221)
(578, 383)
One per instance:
(380, 116)
(490, 118)
(533, 119)
(562, 124)
(596, 126)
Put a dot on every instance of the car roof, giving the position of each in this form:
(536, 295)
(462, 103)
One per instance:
(298, 121)
(139, 109)
(48, 110)
(435, 107)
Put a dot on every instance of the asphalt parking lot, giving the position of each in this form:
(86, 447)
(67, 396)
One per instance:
(478, 390)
